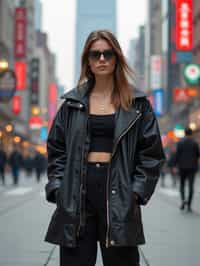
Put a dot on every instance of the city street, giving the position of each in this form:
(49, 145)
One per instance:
(92, 89)
(172, 236)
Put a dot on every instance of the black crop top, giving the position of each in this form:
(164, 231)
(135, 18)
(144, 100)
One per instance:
(101, 128)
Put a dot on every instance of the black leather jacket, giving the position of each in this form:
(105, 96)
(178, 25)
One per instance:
(135, 165)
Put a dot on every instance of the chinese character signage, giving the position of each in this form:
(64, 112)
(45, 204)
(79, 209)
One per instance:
(156, 72)
(180, 95)
(20, 32)
(34, 80)
(158, 103)
(184, 26)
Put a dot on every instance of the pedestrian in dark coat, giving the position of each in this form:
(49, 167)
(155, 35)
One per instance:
(39, 162)
(171, 161)
(16, 163)
(104, 160)
(3, 160)
(186, 160)
(28, 165)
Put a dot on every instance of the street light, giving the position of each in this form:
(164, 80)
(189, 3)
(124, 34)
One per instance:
(3, 64)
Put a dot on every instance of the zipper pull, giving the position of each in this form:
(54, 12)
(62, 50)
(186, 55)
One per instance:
(107, 243)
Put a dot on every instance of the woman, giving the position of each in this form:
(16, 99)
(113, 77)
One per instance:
(104, 160)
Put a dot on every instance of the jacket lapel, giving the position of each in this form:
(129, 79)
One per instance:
(124, 119)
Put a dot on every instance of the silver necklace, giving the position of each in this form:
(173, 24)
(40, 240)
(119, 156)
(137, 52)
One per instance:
(101, 101)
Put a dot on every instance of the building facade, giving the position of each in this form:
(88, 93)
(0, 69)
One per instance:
(196, 23)
(92, 15)
(153, 37)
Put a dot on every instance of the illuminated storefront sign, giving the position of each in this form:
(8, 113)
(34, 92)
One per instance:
(35, 122)
(156, 72)
(158, 104)
(192, 74)
(16, 104)
(34, 80)
(20, 32)
(184, 26)
(20, 71)
(185, 94)
(52, 102)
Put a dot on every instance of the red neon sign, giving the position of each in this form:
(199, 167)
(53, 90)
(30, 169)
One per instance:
(20, 32)
(184, 26)
(52, 100)
(52, 93)
(16, 104)
(20, 71)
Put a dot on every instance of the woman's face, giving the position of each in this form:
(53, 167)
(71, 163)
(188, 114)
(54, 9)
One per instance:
(102, 58)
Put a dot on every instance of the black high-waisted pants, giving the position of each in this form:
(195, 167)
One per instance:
(86, 251)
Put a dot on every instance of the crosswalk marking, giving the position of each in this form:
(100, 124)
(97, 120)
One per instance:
(18, 191)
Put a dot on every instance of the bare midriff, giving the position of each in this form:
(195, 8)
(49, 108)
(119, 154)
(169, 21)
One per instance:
(99, 157)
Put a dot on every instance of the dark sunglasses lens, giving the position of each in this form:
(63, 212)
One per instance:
(94, 55)
(108, 54)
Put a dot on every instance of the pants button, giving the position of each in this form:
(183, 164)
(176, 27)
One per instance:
(97, 165)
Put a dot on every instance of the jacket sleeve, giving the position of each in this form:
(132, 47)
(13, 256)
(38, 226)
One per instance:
(149, 156)
(56, 150)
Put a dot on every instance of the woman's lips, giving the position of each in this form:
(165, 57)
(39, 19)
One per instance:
(101, 67)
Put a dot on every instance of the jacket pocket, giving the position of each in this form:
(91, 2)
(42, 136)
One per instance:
(70, 234)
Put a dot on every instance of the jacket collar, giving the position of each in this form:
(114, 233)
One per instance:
(80, 94)
(124, 119)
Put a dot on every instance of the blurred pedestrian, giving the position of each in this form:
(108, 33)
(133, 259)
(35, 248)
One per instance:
(39, 164)
(171, 161)
(163, 173)
(16, 162)
(28, 164)
(186, 159)
(3, 160)
(104, 160)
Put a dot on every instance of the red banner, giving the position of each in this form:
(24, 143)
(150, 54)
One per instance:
(52, 103)
(16, 104)
(184, 26)
(20, 72)
(20, 32)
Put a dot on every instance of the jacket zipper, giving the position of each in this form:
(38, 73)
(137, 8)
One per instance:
(81, 186)
(108, 176)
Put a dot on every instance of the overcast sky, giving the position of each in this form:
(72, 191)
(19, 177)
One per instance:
(59, 23)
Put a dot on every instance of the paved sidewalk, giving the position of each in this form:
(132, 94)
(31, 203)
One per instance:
(172, 236)
(172, 194)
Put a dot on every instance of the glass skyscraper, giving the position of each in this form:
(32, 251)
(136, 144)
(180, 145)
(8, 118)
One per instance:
(92, 15)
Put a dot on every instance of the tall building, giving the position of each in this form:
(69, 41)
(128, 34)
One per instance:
(6, 54)
(92, 15)
(38, 15)
(196, 23)
(136, 57)
(153, 37)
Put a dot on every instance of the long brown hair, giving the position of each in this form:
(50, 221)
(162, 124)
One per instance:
(122, 94)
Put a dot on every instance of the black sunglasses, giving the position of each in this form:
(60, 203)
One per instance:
(96, 54)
